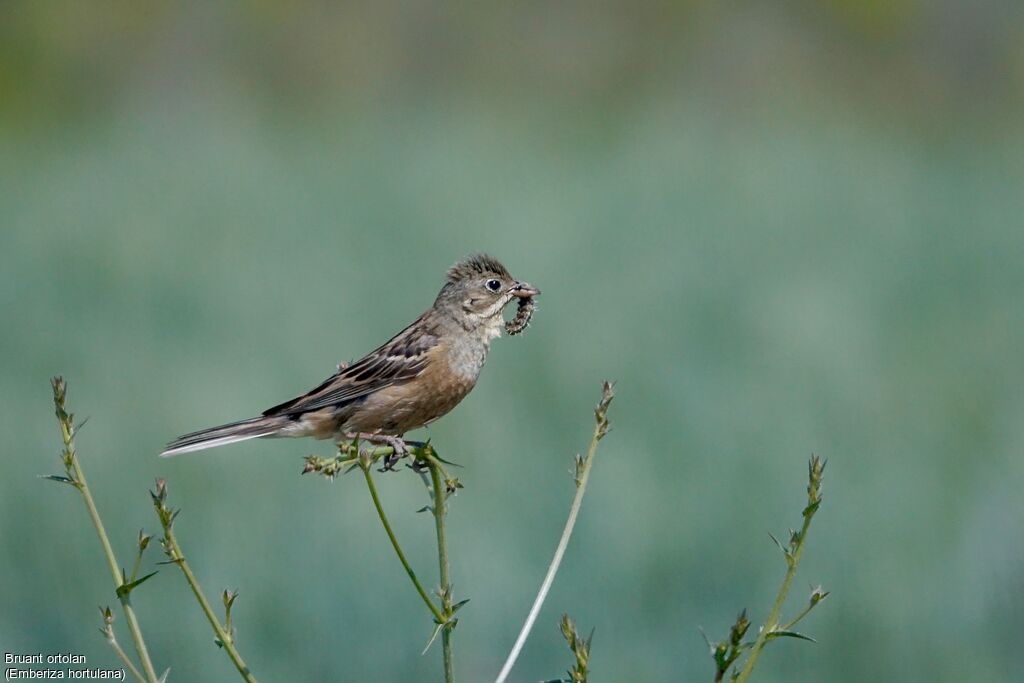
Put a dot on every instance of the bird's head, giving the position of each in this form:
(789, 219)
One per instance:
(478, 289)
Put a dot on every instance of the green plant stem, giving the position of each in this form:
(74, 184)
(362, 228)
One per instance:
(773, 617)
(226, 640)
(788, 626)
(365, 465)
(115, 572)
(582, 476)
(78, 480)
(440, 503)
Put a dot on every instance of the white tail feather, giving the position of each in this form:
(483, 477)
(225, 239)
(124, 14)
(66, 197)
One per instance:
(230, 433)
(220, 441)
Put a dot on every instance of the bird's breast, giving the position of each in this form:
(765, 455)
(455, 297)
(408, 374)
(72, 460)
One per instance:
(466, 358)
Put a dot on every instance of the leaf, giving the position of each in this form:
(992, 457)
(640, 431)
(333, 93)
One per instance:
(812, 508)
(126, 588)
(446, 462)
(59, 479)
(706, 639)
(785, 551)
(457, 606)
(791, 634)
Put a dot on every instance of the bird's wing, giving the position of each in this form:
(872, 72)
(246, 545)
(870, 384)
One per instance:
(401, 358)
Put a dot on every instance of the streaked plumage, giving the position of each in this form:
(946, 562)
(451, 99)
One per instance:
(411, 380)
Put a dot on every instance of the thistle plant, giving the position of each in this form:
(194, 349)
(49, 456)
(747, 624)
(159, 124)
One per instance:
(728, 652)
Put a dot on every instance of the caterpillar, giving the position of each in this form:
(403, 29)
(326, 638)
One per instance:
(524, 312)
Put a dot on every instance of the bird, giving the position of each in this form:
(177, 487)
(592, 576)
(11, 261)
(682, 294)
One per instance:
(407, 382)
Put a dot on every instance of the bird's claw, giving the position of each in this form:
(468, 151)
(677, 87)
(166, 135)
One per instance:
(389, 462)
(398, 451)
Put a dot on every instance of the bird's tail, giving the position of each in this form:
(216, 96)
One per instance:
(224, 434)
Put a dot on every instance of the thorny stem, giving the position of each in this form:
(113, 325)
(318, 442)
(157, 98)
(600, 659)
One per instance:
(582, 475)
(815, 470)
(173, 550)
(439, 510)
(365, 465)
(77, 477)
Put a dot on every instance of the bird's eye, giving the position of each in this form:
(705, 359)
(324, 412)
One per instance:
(493, 285)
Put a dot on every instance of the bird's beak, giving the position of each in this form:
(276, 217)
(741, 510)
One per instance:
(524, 290)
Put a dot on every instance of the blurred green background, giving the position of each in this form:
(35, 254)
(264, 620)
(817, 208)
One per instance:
(782, 229)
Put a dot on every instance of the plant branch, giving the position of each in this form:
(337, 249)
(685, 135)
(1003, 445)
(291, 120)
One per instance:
(580, 649)
(793, 552)
(365, 465)
(817, 595)
(108, 632)
(76, 478)
(439, 510)
(583, 465)
(224, 637)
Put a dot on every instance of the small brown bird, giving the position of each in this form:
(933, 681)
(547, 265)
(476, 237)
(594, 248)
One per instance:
(411, 380)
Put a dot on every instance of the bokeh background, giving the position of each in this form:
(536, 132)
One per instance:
(783, 229)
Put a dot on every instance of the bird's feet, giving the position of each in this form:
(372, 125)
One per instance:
(399, 449)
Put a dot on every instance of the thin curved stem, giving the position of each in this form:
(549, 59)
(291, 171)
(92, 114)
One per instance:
(438, 616)
(582, 475)
(224, 635)
(224, 638)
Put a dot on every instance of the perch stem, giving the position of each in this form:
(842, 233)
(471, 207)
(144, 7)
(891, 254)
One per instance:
(439, 509)
(365, 465)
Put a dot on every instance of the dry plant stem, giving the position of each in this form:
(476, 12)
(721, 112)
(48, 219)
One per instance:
(440, 503)
(582, 475)
(225, 639)
(123, 656)
(79, 482)
(366, 466)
